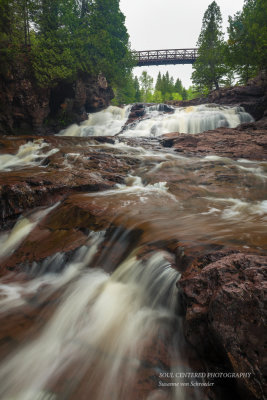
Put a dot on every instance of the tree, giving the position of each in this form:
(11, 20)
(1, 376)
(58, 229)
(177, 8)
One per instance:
(247, 44)
(110, 40)
(67, 37)
(209, 67)
(157, 96)
(137, 98)
(146, 85)
(158, 83)
(178, 86)
(55, 44)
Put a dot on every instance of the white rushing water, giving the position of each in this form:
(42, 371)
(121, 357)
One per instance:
(107, 122)
(194, 119)
(29, 154)
(103, 322)
(10, 241)
(102, 335)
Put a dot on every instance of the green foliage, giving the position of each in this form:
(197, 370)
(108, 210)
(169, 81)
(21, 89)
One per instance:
(67, 37)
(168, 89)
(137, 90)
(157, 96)
(246, 52)
(128, 93)
(193, 93)
(177, 96)
(146, 87)
(209, 67)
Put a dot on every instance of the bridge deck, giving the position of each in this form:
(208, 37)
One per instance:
(161, 57)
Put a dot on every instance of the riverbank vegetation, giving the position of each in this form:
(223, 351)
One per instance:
(241, 56)
(61, 39)
(222, 62)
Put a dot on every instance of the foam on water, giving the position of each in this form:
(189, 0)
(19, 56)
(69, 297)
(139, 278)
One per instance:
(134, 185)
(29, 154)
(54, 272)
(237, 209)
(194, 119)
(103, 123)
(103, 323)
(9, 242)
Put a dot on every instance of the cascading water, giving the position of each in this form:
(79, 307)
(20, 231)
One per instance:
(103, 123)
(194, 119)
(103, 320)
(29, 154)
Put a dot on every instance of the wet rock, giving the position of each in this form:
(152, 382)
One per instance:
(25, 107)
(253, 97)
(225, 303)
(75, 167)
(248, 141)
(138, 111)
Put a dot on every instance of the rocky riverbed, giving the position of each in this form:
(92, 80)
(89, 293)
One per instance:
(175, 220)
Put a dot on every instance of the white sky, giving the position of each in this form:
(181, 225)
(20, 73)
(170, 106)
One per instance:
(169, 24)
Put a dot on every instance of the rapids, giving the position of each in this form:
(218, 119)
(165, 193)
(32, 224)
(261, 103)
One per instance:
(30, 153)
(194, 119)
(103, 321)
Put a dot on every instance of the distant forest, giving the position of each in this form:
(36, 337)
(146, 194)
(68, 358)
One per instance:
(221, 63)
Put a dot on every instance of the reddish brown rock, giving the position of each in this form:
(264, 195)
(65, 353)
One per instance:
(248, 141)
(26, 107)
(225, 317)
(75, 167)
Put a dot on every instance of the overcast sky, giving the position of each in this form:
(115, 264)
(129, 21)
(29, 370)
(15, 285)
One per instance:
(169, 24)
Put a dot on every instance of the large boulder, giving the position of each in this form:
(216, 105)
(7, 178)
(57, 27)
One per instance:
(225, 314)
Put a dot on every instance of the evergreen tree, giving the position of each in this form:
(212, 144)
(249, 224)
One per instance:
(178, 86)
(209, 67)
(110, 40)
(247, 44)
(54, 54)
(137, 97)
(158, 83)
(67, 37)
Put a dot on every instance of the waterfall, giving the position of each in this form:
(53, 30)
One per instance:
(193, 119)
(103, 123)
(102, 322)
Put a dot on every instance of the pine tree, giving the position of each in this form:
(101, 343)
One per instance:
(137, 90)
(110, 40)
(178, 86)
(158, 83)
(247, 44)
(209, 67)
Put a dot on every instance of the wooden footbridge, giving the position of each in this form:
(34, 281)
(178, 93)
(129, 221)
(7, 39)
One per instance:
(162, 57)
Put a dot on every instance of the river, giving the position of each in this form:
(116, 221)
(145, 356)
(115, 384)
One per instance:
(103, 321)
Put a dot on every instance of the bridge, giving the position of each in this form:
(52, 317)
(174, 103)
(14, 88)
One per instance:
(163, 57)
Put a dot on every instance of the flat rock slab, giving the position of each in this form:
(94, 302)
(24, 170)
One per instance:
(79, 165)
(249, 142)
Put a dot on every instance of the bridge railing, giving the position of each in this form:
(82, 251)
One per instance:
(173, 56)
